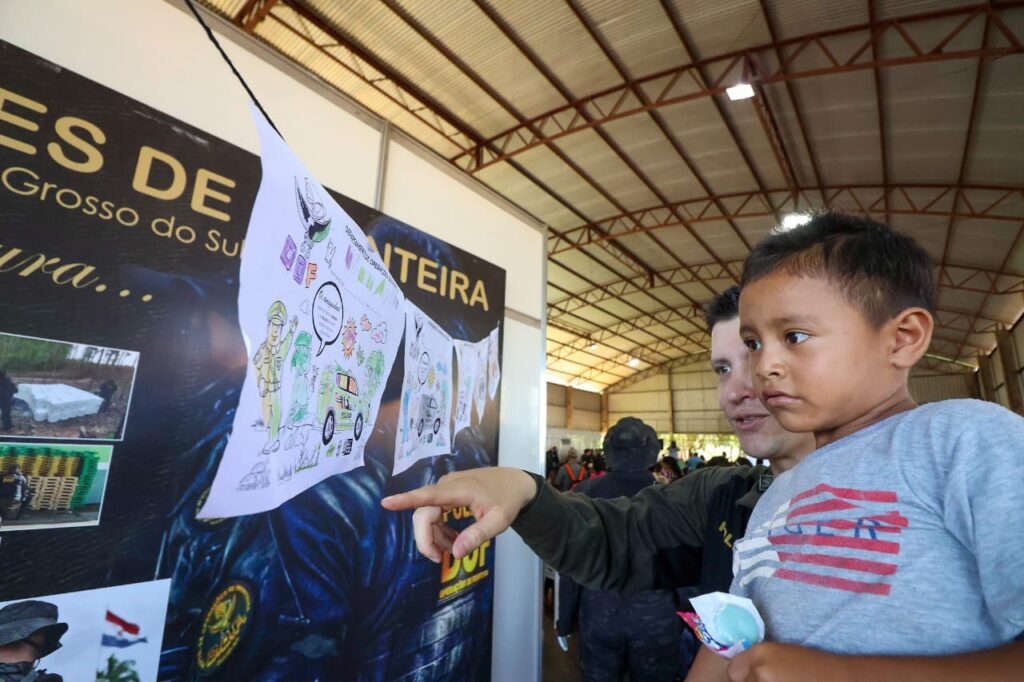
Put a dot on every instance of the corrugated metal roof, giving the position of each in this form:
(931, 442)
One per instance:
(655, 142)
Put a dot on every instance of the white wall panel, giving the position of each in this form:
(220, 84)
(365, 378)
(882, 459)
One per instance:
(556, 416)
(934, 388)
(585, 400)
(658, 382)
(517, 577)
(159, 55)
(424, 195)
(586, 420)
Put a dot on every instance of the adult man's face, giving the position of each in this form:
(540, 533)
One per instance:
(760, 434)
(26, 650)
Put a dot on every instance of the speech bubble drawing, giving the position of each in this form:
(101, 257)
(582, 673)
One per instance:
(424, 368)
(328, 311)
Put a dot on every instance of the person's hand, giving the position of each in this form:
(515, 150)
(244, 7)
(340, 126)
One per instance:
(774, 662)
(494, 495)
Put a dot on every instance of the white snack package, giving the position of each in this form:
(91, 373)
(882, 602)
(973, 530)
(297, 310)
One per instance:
(725, 623)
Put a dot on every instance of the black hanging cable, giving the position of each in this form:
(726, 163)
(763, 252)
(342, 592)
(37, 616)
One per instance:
(216, 43)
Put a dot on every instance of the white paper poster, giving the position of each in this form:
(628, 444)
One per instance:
(322, 320)
(468, 356)
(424, 422)
(493, 366)
(480, 387)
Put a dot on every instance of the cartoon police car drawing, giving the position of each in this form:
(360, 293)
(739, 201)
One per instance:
(430, 414)
(340, 405)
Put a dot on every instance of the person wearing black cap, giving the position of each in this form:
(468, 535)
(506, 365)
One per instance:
(619, 632)
(29, 631)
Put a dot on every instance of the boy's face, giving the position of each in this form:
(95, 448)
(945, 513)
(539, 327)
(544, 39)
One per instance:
(760, 434)
(817, 362)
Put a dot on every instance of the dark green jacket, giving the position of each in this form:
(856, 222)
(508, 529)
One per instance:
(674, 535)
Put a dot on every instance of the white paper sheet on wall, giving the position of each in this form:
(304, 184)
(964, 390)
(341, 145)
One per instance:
(493, 366)
(322, 320)
(468, 355)
(480, 387)
(424, 421)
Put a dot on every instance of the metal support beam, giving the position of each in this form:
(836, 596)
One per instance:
(252, 13)
(682, 84)
(568, 407)
(1011, 369)
(979, 202)
(385, 80)
(382, 166)
(652, 371)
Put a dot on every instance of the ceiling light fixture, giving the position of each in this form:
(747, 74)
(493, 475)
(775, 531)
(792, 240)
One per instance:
(633, 362)
(740, 91)
(791, 220)
(592, 346)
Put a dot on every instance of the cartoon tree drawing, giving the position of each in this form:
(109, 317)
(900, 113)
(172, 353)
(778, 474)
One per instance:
(374, 372)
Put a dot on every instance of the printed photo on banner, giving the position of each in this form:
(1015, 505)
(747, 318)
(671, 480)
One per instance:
(493, 363)
(61, 389)
(424, 421)
(113, 633)
(468, 357)
(51, 485)
(323, 321)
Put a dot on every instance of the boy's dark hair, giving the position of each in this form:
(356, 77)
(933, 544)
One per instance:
(873, 267)
(723, 307)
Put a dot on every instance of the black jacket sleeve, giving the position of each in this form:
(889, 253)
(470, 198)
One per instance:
(614, 544)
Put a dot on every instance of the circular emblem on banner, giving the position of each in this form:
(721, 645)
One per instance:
(224, 624)
(199, 505)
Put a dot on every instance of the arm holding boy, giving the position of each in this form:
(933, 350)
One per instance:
(775, 662)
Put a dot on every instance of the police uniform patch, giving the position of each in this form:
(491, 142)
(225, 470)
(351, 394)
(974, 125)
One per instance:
(224, 625)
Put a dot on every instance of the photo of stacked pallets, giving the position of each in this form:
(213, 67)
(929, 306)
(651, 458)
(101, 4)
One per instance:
(59, 480)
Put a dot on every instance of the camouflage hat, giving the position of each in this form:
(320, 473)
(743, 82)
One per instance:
(25, 618)
(631, 445)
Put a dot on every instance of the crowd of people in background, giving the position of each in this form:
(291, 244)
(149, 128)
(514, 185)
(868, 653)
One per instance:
(568, 472)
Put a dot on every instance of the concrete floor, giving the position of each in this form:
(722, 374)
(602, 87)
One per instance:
(89, 512)
(558, 665)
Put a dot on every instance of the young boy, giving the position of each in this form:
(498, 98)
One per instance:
(895, 546)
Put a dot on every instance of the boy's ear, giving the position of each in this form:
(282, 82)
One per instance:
(912, 334)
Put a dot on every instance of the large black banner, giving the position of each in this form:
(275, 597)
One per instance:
(121, 231)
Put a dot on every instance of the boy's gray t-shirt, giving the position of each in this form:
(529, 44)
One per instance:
(904, 538)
